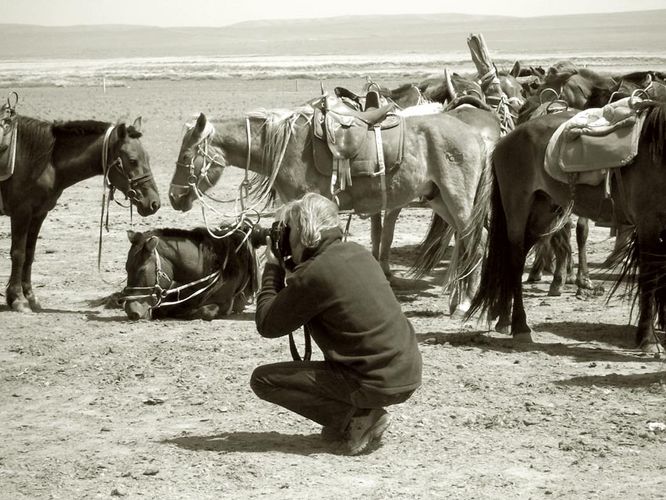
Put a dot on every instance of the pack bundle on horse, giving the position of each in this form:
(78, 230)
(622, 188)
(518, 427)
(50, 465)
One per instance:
(550, 166)
(191, 274)
(369, 161)
(50, 157)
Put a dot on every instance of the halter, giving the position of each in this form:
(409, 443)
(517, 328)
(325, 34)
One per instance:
(159, 293)
(109, 187)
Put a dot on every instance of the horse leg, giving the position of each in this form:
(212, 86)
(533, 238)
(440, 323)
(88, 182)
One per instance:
(207, 312)
(31, 242)
(649, 276)
(541, 258)
(15, 298)
(436, 203)
(387, 231)
(582, 232)
(561, 241)
(376, 237)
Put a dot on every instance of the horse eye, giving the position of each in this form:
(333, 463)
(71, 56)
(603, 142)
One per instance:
(133, 162)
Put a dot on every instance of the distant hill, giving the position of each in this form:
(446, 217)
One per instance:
(630, 32)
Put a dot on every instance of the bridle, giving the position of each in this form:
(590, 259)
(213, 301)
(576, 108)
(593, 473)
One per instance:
(243, 216)
(109, 187)
(162, 290)
(118, 166)
(202, 151)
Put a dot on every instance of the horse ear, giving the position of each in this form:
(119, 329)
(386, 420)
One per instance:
(133, 236)
(201, 124)
(137, 124)
(121, 130)
(515, 70)
(151, 243)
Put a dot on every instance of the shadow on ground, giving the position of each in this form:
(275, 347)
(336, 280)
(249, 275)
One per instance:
(617, 380)
(490, 342)
(259, 442)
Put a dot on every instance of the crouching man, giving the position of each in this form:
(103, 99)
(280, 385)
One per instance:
(339, 292)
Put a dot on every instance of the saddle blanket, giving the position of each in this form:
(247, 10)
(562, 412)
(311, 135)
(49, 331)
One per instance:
(594, 141)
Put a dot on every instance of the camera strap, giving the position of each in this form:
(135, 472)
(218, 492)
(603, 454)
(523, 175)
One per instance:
(307, 355)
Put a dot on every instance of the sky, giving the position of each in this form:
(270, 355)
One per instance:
(224, 12)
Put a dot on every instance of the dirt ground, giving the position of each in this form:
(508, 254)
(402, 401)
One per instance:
(93, 406)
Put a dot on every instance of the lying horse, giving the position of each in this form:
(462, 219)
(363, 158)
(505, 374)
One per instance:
(526, 200)
(190, 274)
(49, 158)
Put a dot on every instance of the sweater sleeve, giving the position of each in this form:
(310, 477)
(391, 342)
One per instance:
(283, 309)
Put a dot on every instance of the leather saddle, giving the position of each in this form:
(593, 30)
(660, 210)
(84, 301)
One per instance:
(585, 147)
(349, 143)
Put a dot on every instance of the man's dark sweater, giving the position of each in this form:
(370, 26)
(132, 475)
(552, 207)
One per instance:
(354, 317)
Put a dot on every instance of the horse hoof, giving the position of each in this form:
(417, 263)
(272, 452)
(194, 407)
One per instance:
(554, 292)
(523, 337)
(533, 279)
(34, 304)
(651, 347)
(502, 329)
(20, 305)
(585, 284)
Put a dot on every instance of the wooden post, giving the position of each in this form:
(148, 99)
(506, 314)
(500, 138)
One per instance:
(485, 68)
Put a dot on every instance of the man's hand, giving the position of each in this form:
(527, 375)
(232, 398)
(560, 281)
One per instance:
(269, 255)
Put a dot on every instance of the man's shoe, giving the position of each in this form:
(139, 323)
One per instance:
(364, 430)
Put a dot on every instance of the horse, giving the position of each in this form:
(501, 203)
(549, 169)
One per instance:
(526, 201)
(191, 274)
(52, 156)
(444, 162)
(463, 98)
(557, 245)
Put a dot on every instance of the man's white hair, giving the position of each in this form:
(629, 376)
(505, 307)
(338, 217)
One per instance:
(309, 216)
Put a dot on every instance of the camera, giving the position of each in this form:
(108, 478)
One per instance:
(279, 233)
(280, 246)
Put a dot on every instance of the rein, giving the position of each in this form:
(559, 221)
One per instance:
(159, 293)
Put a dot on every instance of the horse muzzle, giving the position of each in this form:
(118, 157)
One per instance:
(136, 310)
(180, 198)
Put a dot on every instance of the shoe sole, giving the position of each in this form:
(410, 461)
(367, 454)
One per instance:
(374, 433)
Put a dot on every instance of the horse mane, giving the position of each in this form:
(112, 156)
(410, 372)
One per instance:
(80, 128)
(36, 142)
(653, 132)
(278, 128)
(210, 247)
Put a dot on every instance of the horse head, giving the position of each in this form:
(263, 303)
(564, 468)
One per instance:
(130, 171)
(145, 278)
(196, 169)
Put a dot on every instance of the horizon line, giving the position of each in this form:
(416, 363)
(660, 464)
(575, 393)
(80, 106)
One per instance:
(329, 18)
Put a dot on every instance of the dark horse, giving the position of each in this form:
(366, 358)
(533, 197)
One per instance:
(526, 201)
(190, 273)
(51, 157)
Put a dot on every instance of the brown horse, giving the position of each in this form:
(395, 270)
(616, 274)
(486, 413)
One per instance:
(190, 274)
(444, 162)
(51, 157)
(526, 201)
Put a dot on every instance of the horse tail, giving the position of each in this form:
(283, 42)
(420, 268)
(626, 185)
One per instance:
(474, 234)
(431, 251)
(494, 289)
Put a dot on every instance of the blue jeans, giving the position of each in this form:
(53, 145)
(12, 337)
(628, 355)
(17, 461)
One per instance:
(325, 392)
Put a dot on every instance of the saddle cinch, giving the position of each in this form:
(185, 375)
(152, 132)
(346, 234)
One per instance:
(585, 148)
(348, 143)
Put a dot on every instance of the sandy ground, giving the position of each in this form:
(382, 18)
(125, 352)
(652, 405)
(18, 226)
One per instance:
(93, 406)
